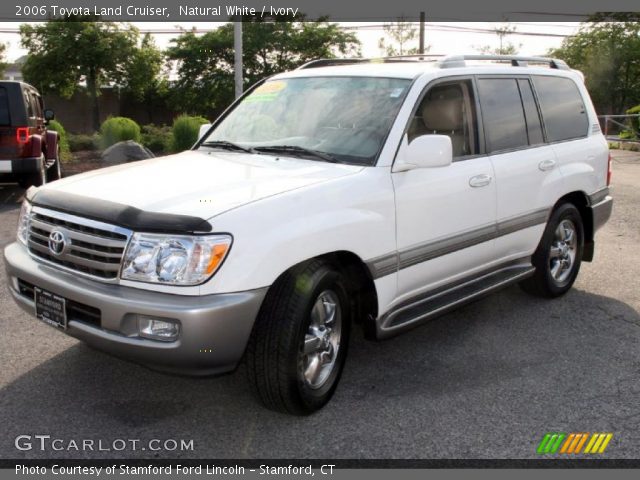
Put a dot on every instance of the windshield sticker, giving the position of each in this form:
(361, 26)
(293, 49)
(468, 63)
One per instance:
(396, 92)
(267, 92)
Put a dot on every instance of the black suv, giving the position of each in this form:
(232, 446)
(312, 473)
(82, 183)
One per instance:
(29, 153)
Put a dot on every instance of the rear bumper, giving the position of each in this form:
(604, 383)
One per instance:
(19, 166)
(601, 212)
(214, 328)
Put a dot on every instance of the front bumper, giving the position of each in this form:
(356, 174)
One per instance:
(214, 328)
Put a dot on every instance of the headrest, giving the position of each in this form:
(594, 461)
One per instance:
(442, 114)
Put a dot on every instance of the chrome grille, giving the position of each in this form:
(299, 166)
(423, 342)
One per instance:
(91, 248)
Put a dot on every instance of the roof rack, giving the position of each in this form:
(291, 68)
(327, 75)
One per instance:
(515, 61)
(450, 61)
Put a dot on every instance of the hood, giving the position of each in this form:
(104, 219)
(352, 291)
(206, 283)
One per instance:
(200, 183)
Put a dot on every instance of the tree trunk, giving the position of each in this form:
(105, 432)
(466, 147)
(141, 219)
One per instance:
(93, 93)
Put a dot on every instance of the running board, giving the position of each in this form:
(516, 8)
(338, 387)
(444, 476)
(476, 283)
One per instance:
(419, 310)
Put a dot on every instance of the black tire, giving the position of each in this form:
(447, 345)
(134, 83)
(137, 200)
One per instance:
(274, 356)
(54, 172)
(544, 283)
(35, 179)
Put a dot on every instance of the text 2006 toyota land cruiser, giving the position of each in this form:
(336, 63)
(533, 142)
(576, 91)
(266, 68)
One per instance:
(339, 193)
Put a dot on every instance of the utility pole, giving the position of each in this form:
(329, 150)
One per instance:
(237, 57)
(422, 18)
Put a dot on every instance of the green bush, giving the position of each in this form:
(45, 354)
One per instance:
(119, 129)
(63, 140)
(82, 142)
(156, 138)
(185, 132)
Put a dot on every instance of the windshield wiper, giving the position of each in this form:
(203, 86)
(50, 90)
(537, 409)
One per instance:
(296, 149)
(225, 145)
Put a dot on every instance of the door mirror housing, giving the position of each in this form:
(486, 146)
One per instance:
(203, 130)
(426, 151)
(49, 115)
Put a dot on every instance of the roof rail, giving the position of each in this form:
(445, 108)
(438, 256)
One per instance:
(515, 60)
(329, 62)
(450, 61)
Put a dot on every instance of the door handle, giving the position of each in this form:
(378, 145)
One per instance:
(546, 165)
(480, 180)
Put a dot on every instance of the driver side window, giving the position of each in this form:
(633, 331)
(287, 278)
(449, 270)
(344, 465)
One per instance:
(448, 109)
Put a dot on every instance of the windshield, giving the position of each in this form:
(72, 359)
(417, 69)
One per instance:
(344, 118)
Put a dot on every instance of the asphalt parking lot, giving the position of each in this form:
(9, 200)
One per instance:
(487, 381)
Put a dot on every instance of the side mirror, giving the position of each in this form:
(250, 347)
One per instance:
(426, 151)
(49, 115)
(203, 129)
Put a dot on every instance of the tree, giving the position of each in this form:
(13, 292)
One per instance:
(65, 52)
(504, 48)
(607, 50)
(270, 45)
(3, 65)
(401, 33)
(144, 79)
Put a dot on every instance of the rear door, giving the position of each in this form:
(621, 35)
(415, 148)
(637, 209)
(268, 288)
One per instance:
(528, 177)
(8, 146)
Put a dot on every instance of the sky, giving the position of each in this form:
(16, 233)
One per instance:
(531, 38)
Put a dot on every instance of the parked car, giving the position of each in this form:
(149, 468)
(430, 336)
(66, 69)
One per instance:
(29, 153)
(341, 193)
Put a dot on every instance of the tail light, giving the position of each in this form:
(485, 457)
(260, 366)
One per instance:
(609, 171)
(22, 135)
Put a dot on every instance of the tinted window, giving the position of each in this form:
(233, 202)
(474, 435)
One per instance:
(562, 108)
(532, 117)
(448, 109)
(29, 104)
(502, 114)
(4, 107)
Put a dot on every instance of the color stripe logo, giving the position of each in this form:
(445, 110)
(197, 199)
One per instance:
(573, 443)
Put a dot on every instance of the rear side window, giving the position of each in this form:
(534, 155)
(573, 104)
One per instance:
(5, 119)
(502, 114)
(562, 108)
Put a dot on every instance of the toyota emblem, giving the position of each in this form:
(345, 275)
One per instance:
(57, 242)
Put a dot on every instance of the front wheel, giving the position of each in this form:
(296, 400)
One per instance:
(299, 343)
(559, 254)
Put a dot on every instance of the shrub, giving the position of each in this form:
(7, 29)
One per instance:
(185, 132)
(118, 129)
(63, 140)
(82, 142)
(156, 138)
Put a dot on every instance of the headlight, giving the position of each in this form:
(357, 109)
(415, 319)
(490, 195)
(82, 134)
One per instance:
(23, 222)
(174, 259)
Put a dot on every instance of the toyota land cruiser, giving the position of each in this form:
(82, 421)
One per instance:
(341, 193)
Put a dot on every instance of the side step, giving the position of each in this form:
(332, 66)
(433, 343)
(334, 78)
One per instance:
(421, 309)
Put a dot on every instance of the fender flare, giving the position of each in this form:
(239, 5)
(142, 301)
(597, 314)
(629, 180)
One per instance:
(36, 145)
(51, 145)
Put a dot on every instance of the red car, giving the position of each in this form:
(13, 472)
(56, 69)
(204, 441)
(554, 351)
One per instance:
(29, 153)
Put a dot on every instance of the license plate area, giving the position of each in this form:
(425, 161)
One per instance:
(50, 308)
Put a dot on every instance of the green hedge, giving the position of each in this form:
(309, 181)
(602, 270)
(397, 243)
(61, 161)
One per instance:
(119, 129)
(80, 142)
(156, 138)
(63, 139)
(185, 132)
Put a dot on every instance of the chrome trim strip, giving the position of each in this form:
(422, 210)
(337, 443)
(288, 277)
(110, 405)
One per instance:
(395, 261)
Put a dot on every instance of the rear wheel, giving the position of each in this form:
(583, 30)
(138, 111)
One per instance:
(54, 172)
(35, 179)
(299, 343)
(558, 257)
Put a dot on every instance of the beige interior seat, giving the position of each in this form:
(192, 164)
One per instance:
(444, 116)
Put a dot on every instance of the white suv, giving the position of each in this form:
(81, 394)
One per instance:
(344, 192)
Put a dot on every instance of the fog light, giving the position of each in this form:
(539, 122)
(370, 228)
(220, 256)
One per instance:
(157, 329)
